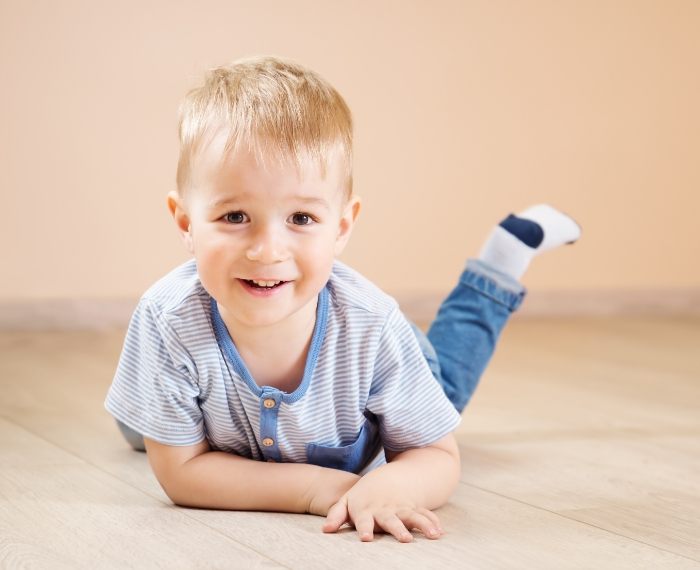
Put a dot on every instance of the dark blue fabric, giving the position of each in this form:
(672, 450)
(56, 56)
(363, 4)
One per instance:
(351, 457)
(527, 231)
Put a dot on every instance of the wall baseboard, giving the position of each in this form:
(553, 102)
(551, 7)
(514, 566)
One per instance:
(66, 314)
(101, 314)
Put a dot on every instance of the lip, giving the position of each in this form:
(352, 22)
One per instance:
(263, 292)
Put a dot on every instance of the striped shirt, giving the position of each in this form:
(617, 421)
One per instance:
(366, 385)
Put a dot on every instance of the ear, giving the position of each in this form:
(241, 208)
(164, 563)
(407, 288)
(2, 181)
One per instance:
(182, 219)
(347, 221)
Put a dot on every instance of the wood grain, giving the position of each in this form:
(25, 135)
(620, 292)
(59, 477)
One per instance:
(579, 450)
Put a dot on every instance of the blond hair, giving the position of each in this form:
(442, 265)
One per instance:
(280, 109)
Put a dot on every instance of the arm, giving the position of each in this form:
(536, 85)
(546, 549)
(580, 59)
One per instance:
(195, 476)
(400, 494)
(429, 473)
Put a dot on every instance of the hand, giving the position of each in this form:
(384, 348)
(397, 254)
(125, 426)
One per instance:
(327, 490)
(375, 508)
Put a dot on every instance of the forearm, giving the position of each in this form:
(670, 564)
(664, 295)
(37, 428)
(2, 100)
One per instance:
(221, 480)
(427, 476)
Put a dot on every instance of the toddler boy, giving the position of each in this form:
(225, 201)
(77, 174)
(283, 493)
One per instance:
(266, 375)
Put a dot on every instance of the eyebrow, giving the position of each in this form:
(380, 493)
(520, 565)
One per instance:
(215, 204)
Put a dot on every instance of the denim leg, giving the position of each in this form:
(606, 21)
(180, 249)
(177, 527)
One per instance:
(134, 439)
(463, 335)
(428, 351)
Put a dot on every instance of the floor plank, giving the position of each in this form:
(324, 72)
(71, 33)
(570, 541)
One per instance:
(580, 448)
(596, 420)
(57, 510)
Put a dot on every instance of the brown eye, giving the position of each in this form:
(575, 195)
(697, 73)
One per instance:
(235, 217)
(300, 219)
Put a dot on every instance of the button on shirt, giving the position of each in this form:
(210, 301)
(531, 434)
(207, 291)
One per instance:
(366, 384)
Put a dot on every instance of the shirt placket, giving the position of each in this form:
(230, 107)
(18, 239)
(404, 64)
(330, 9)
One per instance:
(270, 400)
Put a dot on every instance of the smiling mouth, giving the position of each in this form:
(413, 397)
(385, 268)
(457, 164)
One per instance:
(264, 284)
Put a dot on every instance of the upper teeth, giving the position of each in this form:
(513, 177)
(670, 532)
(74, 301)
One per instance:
(266, 283)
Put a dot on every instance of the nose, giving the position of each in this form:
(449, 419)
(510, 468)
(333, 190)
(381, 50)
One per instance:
(267, 246)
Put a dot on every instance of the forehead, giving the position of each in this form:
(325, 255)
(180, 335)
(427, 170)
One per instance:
(217, 171)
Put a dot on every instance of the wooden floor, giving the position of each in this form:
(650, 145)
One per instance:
(581, 449)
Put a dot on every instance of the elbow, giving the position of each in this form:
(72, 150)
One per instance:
(456, 464)
(181, 497)
(175, 471)
(178, 499)
(175, 485)
(184, 489)
(173, 491)
(453, 474)
(457, 469)
(183, 501)
(449, 447)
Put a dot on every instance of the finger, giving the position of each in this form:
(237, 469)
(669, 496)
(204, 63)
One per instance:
(433, 517)
(393, 525)
(364, 523)
(337, 516)
(422, 523)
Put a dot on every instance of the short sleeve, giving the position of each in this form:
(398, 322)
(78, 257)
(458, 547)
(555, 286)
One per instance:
(411, 406)
(154, 391)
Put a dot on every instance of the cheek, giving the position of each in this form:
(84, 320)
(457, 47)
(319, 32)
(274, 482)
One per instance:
(213, 252)
(209, 242)
(319, 254)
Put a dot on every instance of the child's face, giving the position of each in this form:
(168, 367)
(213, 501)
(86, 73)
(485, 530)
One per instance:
(246, 223)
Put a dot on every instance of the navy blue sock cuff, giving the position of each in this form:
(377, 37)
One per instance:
(527, 231)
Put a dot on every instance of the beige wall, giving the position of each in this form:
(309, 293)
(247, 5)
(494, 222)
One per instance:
(464, 111)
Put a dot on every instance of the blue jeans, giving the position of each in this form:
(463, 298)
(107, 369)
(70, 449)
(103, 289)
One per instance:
(461, 339)
(463, 335)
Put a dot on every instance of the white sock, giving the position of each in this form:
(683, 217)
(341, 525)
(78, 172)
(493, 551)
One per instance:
(517, 239)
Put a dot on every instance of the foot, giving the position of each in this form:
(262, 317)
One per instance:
(518, 238)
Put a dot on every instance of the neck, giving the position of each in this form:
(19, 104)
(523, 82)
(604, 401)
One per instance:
(296, 329)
